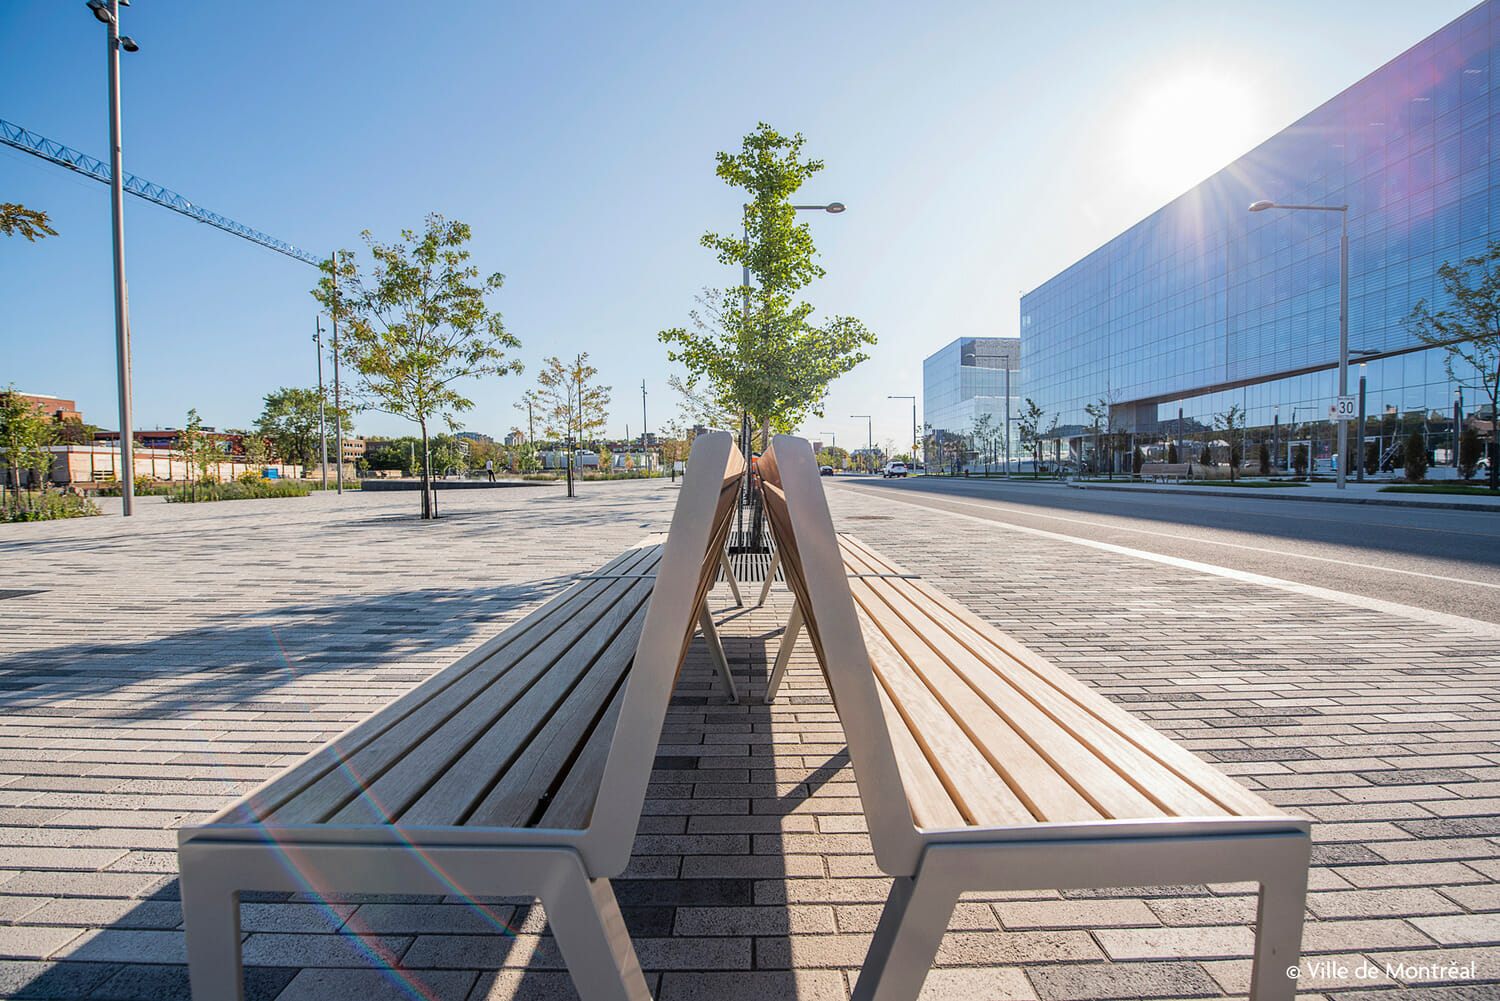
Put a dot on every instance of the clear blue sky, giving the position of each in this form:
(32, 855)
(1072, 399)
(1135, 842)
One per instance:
(980, 147)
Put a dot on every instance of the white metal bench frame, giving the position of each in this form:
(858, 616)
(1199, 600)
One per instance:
(933, 866)
(568, 870)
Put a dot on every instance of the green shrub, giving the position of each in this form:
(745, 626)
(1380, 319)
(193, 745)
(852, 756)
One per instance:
(1469, 452)
(46, 506)
(1372, 457)
(1265, 459)
(236, 491)
(1299, 460)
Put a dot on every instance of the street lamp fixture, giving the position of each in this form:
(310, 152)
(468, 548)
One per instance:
(833, 207)
(1343, 211)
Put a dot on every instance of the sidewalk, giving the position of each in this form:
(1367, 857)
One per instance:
(156, 668)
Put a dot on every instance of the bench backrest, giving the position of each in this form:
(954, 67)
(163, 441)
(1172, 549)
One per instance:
(689, 565)
(797, 511)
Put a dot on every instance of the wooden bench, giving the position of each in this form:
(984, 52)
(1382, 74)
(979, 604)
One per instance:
(520, 770)
(1016, 775)
(1158, 471)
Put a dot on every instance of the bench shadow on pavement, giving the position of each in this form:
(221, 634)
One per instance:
(229, 663)
(681, 907)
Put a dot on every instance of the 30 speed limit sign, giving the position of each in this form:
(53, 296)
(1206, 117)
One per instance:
(1344, 409)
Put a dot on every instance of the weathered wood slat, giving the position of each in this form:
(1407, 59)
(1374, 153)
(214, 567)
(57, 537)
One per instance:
(425, 706)
(457, 761)
(346, 779)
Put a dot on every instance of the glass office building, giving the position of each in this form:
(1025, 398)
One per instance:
(1205, 306)
(963, 382)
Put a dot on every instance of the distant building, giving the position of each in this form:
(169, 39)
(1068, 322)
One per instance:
(515, 438)
(54, 407)
(961, 383)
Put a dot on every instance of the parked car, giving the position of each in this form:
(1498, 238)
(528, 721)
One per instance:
(894, 469)
(825, 470)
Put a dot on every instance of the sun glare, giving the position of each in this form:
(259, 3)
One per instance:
(1181, 128)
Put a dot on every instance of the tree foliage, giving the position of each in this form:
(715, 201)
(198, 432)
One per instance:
(289, 424)
(1232, 423)
(25, 434)
(756, 344)
(1029, 423)
(30, 223)
(1468, 328)
(198, 449)
(417, 324)
(567, 400)
(1416, 456)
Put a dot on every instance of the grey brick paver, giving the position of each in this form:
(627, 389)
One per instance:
(173, 661)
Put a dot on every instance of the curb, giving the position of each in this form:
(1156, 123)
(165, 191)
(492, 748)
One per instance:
(1267, 495)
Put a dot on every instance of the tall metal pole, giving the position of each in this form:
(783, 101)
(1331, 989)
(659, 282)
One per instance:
(1359, 470)
(1343, 339)
(322, 426)
(122, 296)
(1007, 422)
(338, 407)
(643, 419)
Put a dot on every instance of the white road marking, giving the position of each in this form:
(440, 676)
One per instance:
(1232, 545)
(1489, 630)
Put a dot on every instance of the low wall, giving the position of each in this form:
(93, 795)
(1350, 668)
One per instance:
(369, 485)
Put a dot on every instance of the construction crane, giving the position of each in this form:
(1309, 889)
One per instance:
(37, 145)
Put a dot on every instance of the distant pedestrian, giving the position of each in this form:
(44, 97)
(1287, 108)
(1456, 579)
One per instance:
(489, 467)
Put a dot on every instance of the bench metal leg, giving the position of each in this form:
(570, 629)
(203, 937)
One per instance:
(784, 655)
(765, 589)
(906, 939)
(1278, 934)
(734, 585)
(586, 922)
(716, 651)
(211, 918)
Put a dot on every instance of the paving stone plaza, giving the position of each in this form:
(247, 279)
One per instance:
(156, 668)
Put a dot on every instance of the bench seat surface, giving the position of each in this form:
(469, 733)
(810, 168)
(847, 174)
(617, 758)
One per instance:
(989, 734)
(513, 736)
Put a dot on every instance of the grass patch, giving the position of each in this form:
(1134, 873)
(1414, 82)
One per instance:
(236, 491)
(1472, 489)
(45, 506)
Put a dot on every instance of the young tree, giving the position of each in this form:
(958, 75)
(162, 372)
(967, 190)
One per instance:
(1469, 451)
(1030, 426)
(30, 223)
(1232, 423)
(1099, 411)
(25, 434)
(755, 343)
(416, 325)
(567, 402)
(198, 449)
(1468, 330)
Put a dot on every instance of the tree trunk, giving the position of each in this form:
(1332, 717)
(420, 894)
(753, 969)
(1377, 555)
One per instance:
(426, 474)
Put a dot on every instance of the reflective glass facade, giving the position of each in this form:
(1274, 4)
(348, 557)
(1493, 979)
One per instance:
(965, 380)
(1206, 305)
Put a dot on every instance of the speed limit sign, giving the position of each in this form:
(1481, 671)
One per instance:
(1343, 409)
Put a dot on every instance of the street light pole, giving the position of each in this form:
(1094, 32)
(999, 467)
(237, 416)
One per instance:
(322, 427)
(913, 400)
(835, 439)
(869, 439)
(1343, 211)
(108, 11)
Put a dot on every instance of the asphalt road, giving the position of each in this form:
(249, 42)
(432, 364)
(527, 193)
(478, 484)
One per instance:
(1441, 560)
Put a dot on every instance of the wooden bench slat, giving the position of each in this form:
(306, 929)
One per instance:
(1114, 775)
(348, 776)
(931, 806)
(1139, 749)
(436, 782)
(1037, 761)
(537, 752)
(966, 774)
(572, 806)
(425, 705)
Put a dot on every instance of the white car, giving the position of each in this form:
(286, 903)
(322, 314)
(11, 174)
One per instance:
(894, 469)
